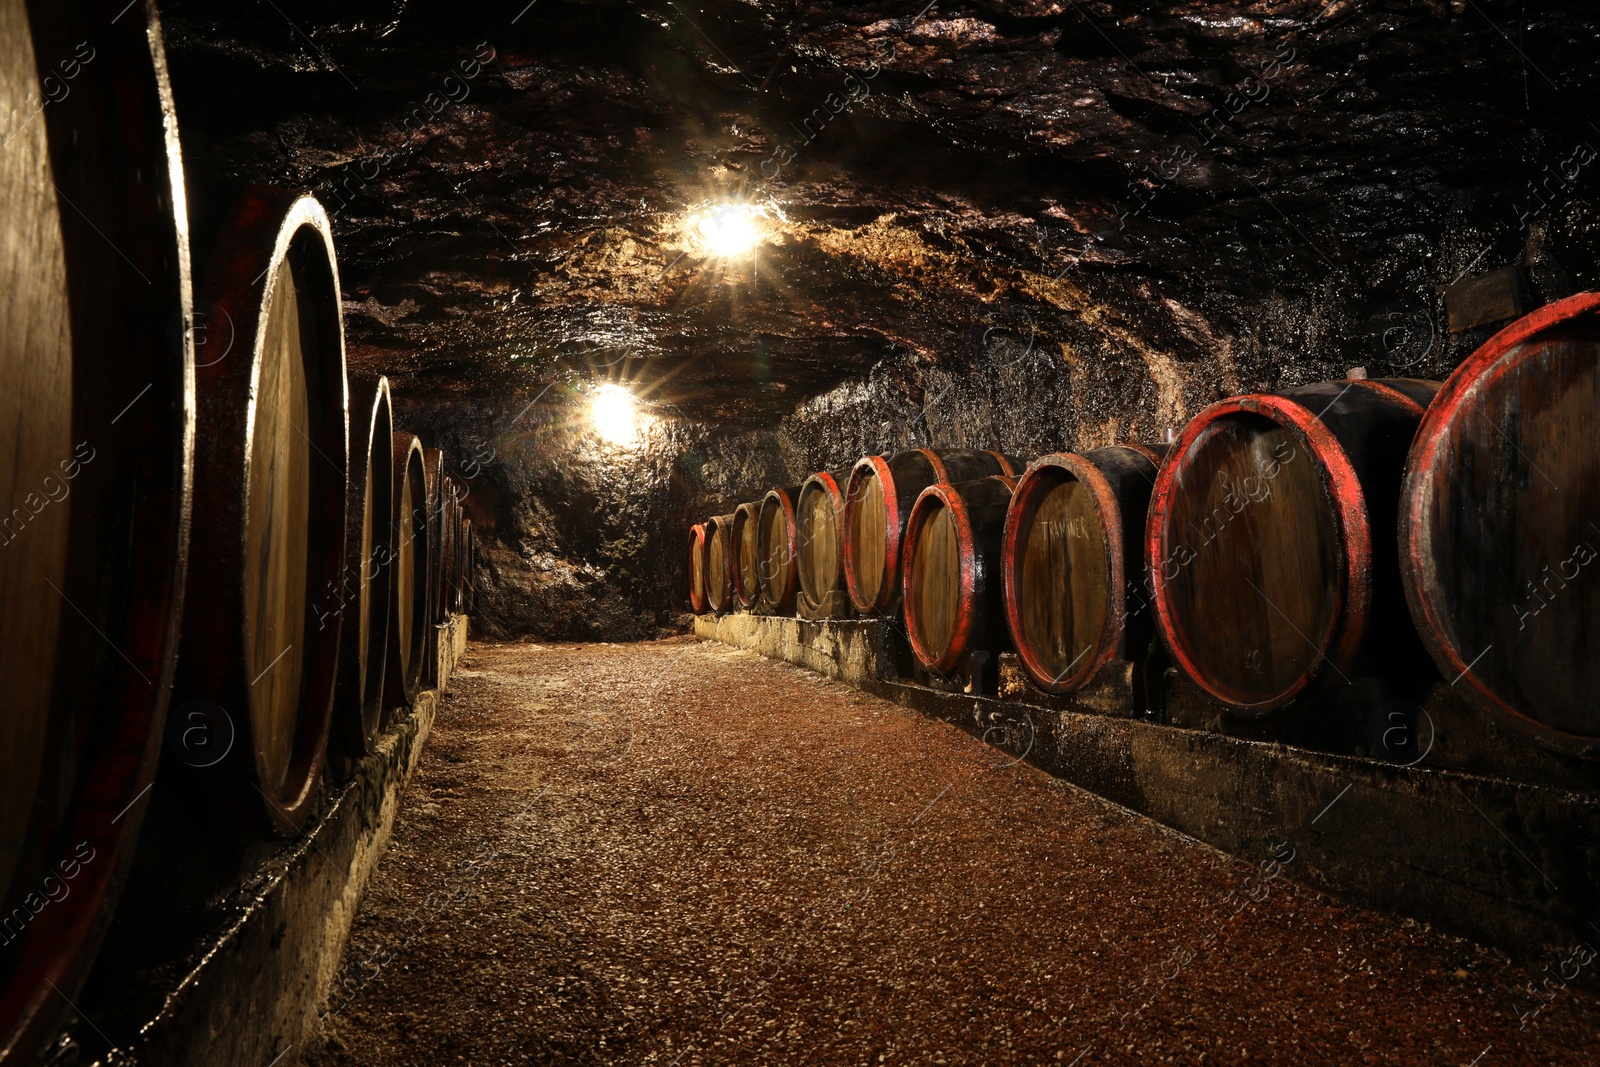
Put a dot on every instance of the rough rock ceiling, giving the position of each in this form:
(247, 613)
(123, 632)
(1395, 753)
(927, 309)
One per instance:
(1168, 175)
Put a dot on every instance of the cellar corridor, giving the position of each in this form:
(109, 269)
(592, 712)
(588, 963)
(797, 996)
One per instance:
(786, 532)
(675, 852)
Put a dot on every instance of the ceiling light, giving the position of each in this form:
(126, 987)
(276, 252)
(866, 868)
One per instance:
(729, 230)
(614, 413)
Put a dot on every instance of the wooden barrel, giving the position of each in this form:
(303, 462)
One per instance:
(950, 573)
(719, 564)
(1272, 563)
(819, 543)
(697, 568)
(408, 532)
(463, 556)
(462, 524)
(878, 501)
(746, 553)
(362, 607)
(95, 478)
(1500, 527)
(458, 561)
(468, 566)
(449, 513)
(433, 471)
(270, 510)
(1072, 563)
(777, 551)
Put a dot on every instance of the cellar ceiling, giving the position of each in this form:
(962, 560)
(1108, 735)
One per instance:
(1291, 185)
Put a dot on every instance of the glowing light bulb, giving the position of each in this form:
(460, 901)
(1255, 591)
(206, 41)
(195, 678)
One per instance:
(729, 230)
(614, 414)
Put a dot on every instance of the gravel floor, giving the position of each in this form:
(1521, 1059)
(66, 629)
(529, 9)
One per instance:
(679, 853)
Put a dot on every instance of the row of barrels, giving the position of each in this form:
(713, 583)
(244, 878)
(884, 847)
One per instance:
(322, 537)
(1283, 544)
(204, 511)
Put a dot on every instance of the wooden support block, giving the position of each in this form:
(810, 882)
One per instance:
(1487, 298)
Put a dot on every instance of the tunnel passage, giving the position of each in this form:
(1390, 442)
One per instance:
(1190, 405)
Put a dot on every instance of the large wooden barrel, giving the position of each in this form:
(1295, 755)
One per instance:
(458, 572)
(697, 568)
(819, 543)
(1072, 563)
(746, 553)
(719, 564)
(449, 513)
(468, 566)
(95, 476)
(408, 532)
(950, 572)
(463, 551)
(458, 566)
(878, 501)
(1500, 527)
(777, 551)
(1273, 567)
(433, 471)
(362, 604)
(270, 511)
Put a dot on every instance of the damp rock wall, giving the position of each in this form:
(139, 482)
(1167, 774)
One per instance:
(1002, 223)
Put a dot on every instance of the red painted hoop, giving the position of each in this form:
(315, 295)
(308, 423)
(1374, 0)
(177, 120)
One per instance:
(1390, 393)
(697, 551)
(941, 473)
(1147, 452)
(1008, 469)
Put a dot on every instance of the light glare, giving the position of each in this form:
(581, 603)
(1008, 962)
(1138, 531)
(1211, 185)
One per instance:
(729, 230)
(614, 415)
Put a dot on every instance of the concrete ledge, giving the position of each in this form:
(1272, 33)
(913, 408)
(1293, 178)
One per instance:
(1511, 863)
(246, 986)
(450, 642)
(858, 652)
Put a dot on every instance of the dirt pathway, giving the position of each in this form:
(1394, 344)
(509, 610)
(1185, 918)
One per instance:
(675, 853)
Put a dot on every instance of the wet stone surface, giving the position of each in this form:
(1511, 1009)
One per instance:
(678, 853)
